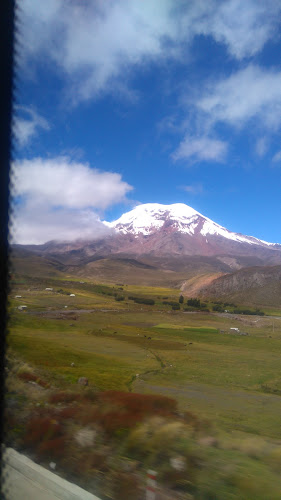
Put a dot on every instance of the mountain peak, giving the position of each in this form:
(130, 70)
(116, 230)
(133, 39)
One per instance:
(149, 218)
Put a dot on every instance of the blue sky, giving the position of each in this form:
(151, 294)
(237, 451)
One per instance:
(128, 101)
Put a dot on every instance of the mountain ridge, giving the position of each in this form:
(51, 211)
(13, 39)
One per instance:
(169, 237)
(147, 218)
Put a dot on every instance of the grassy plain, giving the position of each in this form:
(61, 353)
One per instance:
(231, 380)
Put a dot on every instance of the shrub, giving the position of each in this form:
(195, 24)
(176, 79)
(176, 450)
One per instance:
(181, 299)
(157, 439)
(193, 302)
(127, 486)
(176, 307)
(53, 448)
(218, 308)
(70, 412)
(147, 403)
(31, 377)
(40, 429)
(123, 410)
(64, 397)
(257, 312)
(119, 298)
(139, 300)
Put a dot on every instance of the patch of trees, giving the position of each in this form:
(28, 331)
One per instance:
(194, 303)
(256, 312)
(142, 300)
(218, 308)
(170, 303)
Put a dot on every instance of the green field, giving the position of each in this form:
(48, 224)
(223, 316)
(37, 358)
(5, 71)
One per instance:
(231, 380)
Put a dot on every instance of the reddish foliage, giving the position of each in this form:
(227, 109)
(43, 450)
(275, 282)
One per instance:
(88, 461)
(123, 410)
(144, 403)
(42, 429)
(114, 420)
(127, 486)
(98, 461)
(64, 397)
(54, 448)
(30, 377)
(69, 397)
(69, 412)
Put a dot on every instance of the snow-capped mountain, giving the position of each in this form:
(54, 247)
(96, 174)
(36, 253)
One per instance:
(150, 218)
(165, 236)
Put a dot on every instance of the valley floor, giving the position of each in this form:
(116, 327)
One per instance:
(225, 431)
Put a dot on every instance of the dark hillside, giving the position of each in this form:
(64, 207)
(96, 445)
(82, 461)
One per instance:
(253, 285)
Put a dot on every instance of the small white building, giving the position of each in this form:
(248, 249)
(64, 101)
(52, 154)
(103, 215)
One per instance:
(22, 307)
(235, 329)
(18, 297)
(72, 295)
(49, 289)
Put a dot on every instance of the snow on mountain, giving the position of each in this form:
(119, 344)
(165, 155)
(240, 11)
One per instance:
(149, 218)
(168, 236)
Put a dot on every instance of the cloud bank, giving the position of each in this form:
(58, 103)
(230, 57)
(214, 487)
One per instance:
(59, 199)
(96, 47)
(97, 44)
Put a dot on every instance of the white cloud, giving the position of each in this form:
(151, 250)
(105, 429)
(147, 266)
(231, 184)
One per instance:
(26, 128)
(244, 26)
(97, 44)
(251, 93)
(250, 97)
(277, 157)
(194, 189)
(59, 199)
(201, 149)
(60, 182)
(38, 224)
(261, 146)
